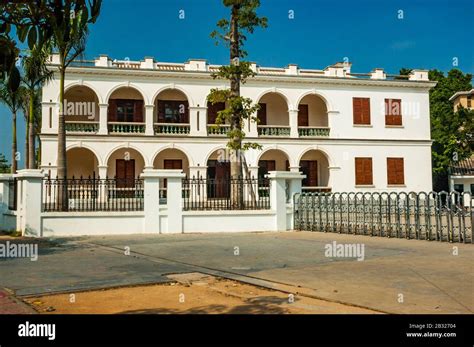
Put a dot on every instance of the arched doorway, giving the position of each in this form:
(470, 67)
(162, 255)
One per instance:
(273, 115)
(315, 165)
(272, 160)
(81, 163)
(218, 174)
(125, 165)
(172, 112)
(81, 110)
(312, 116)
(126, 111)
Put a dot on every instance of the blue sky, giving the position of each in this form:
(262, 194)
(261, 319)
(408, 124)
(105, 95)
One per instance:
(368, 32)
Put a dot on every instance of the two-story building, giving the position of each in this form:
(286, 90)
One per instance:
(345, 131)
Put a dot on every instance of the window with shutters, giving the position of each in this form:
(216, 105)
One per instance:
(395, 171)
(361, 111)
(173, 111)
(122, 110)
(363, 171)
(303, 119)
(262, 114)
(393, 112)
(309, 168)
(212, 110)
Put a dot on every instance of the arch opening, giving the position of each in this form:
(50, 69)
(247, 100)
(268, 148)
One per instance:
(81, 162)
(315, 165)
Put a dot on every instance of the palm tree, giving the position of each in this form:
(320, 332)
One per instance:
(12, 99)
(68, 20)
(36, 74)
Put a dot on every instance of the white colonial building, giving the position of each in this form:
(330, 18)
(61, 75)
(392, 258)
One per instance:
(346, 131)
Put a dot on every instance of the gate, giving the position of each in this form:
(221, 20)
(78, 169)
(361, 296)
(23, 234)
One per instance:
(439, 216)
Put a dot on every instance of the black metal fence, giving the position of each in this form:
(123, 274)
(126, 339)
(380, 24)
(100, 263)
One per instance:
(226, 194)
(429, 216)
(93, 194)
(12, 194)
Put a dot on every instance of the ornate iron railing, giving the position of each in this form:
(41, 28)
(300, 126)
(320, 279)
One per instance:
(217, 129)
(93, 194)
(12, 194)
(313, 132)
(273, 130)
(82, 127)
(126, 128)
(226, 194)
(171, 129)
(429, 216)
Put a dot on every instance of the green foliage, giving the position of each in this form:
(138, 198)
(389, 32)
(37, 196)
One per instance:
(4, 166)
(451, 131)
(244, 20)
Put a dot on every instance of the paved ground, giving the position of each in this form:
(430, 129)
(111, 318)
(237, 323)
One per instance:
(397, 275)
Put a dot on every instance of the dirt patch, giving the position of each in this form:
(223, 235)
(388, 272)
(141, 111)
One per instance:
(191, 293)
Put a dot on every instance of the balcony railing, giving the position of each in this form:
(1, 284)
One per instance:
(273, 130)
(126, 128)
(313, 131)
(217, 129)
(82, 127)
(171, 129)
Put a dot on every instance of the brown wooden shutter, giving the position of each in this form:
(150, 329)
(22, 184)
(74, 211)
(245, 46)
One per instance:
(161, 111)
(393, 112)
(361, 111)
(212, 111)
(363, 171)
(120, 168)
(395, 171)
(313, 173)
(112, 110)
(303, 116)
(138, 111)
(262, 114)
(287, 165)
(271, 165)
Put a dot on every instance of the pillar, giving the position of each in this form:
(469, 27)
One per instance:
(283, 187)
(149, 120)
(198, 121)
(103, 115)
(29, 202)
(293, 114)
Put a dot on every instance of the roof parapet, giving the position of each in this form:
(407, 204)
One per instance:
(340, 69)
(292, 69)
(418, 75)
(196, 65)
(378, 74)
(103, 61)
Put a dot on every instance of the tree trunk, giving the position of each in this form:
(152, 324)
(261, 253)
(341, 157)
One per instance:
(14, 145)
(31, 133)
(61, 161)
(27, 146)
(236, 141)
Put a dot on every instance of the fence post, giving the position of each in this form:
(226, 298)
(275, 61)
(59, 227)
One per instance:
(29, 202)
(152, 178)
(281, 196)
(4, 197)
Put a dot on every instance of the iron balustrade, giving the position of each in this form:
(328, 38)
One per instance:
(439, 216)
(12, 194)
(226, 194)
(93, 194)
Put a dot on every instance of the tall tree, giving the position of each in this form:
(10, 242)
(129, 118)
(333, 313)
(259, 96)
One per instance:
(451, 130)
(12, 99)
(36, 74)
(232, 33)
(4, 167)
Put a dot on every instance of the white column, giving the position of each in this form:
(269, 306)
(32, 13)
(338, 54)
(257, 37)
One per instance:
(149, 120)
(4, 190)
(151, 200)
(103, 189)
(198, 121)
(278, 196)
(250, 128)
(103, 129)
(29, 202)
(175, 201)
(293, 114)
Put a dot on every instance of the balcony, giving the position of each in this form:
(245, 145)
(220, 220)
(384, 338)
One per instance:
(173, 129)
(216, 130)
(313, 131)
(274, 130)
(84, 127)
(126, 128)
